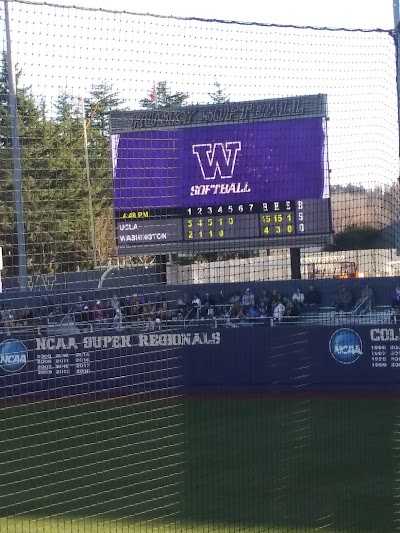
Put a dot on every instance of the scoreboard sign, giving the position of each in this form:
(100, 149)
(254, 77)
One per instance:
(206, 177)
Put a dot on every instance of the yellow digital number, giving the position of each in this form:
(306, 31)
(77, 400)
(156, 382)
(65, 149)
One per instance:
(190, 223)
(200, 222)
(210, 233)
(190, 235)
(266, 218)
(221, 233)
(289, 229)
(210, 221)
(289, 217)
(278, 229)
(200, 234)
(266, 230)
(278, 218)
(230, 221)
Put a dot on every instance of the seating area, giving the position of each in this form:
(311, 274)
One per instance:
(218, 306)
(324, 317)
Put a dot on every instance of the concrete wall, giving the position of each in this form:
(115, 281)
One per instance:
(276, 266)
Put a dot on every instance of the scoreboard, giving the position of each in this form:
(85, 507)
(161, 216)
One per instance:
(210, 177)
(267, 223)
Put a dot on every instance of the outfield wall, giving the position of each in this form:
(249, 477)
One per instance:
(229, 360)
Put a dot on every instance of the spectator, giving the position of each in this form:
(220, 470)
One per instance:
(81, 311)
(235, 298)
(222, 306)
(57, 311)
(78, 306)
(8, 318)
(134, 309)
(85, 316)
(163, 313)
(20, 317)
(196, 307)
(221, 299)
(118, 323)
(274, 298)
(253, 311)
(237, 312)
(196, 302)
(298, 299)
(312, 298)
(281, 300)
(279, 311)
(366, 301)
(264, 311)
(396, 302)
(155, 300)
(344, 299)
(207, 306)
(247, 298)
(396, 296)
(98, 313)
(148, 311)
(150, 324)
(180, 317)
(265, 299)
(30, 316)
(292, 312)
(114, 302)
(184, 304)
(25, 316)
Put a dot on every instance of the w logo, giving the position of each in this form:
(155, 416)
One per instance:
(217, 159)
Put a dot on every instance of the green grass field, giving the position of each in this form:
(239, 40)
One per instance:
(224, 465)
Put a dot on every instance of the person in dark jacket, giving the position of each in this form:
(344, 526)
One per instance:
(312, 298)
(344, 299)
(396, 302)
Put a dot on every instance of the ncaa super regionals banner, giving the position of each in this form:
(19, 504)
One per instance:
(240, 360)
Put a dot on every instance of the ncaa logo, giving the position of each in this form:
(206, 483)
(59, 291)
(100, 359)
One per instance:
(13, 355)
(345, 346)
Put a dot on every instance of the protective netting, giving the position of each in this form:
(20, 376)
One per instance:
(199, 233)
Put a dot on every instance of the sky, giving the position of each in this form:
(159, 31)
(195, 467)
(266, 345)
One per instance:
(67, 49)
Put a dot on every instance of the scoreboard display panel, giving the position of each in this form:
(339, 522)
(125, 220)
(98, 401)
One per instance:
(206, 177)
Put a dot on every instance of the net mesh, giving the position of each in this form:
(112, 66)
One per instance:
(202, 261)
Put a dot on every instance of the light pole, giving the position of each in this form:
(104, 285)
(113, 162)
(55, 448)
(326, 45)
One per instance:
(16, 151)
(396, 36)
(89, 185)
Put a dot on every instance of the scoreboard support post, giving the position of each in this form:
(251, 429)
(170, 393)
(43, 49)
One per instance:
(295, 263)
(161, 268)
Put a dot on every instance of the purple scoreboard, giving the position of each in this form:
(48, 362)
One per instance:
(209, 177)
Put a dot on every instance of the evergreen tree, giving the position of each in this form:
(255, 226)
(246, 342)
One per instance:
(71, 170)
(28, 114)
(54, 180)
(161, 96)
(218, 96)
(102, 99)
